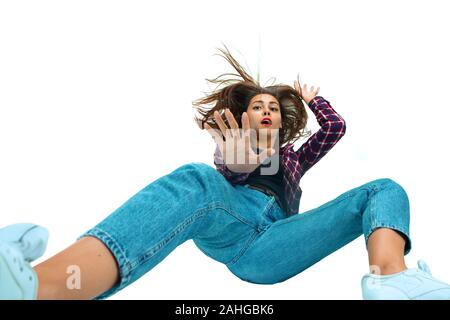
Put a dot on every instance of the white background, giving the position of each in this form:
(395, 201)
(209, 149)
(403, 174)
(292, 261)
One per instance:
(95, 103)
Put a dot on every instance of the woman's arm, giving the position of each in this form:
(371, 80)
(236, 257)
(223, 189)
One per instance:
(332, 129)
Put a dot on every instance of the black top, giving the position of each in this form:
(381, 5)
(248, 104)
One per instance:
(269, 179)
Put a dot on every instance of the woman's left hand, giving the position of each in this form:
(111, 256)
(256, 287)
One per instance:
(306, 94)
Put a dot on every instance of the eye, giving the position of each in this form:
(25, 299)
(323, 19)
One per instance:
(274, 109)
(256, 107)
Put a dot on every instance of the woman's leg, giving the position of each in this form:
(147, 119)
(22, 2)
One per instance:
(193, 202)
(293, 244)
(386, 249)
(82, 271)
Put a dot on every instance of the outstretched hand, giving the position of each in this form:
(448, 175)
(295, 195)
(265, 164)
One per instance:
(236, 150)
(306, 94)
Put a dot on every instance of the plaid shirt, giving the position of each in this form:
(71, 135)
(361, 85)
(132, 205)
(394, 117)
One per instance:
(296, 163)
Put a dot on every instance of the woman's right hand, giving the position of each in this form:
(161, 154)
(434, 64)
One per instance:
(236, 151)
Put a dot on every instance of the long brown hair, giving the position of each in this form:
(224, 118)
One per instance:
(236, 94)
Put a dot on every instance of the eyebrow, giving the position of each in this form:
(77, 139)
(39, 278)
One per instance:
(271, 102)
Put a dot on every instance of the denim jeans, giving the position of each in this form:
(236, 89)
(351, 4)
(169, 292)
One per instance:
(240, 227)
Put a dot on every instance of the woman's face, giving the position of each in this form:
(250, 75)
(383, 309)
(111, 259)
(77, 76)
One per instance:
(264, 112)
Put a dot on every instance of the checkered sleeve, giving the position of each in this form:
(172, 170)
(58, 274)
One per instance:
(332, 129)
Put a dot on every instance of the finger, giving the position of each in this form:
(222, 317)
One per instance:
(245, 121)
(246, 130)
(232, 121)
(253, 138)
(222, 126)
(317, 90)
(247, 143)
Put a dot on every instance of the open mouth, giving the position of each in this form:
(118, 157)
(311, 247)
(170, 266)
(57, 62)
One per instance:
(266, 122)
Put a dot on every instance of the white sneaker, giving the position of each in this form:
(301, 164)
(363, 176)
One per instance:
(411, 284)
(29, 238)
(18, 281)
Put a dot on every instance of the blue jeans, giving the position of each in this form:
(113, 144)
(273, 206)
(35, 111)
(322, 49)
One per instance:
(243, 228)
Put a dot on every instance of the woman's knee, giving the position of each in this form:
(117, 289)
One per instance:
(387, 183)
(393, 192)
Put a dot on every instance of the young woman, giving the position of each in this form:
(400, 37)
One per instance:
(243, 213)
